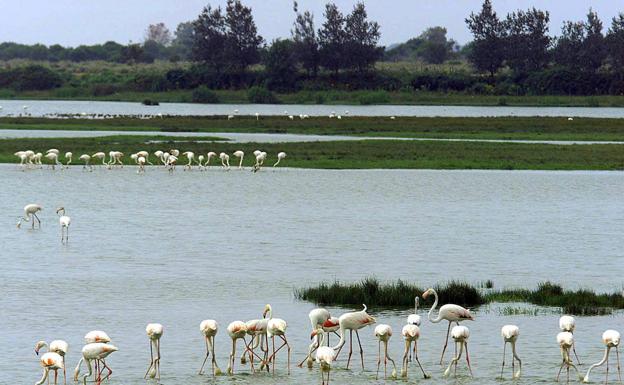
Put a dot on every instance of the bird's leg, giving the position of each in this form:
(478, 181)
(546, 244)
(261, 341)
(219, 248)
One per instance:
(405, 356)
(55, 376)
(425, 375)
(350, 347)
(575, 355)
(272, 358)
(110, 371)
(205, 358)
(617, 355)
(64, 372)
(503, 366)
(385, 363)
(158, 358)
(215, 367)
(230, 369)
(378, 358)
(468, 358)
(361, 350)
(288, 347)
(607, 374)
(151, 360)
(391, 360)
(448, 331)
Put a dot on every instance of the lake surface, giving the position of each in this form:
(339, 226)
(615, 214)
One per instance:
(47, 107)
(177, 249)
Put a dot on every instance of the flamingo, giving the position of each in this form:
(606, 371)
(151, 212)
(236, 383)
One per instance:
(239, 154)
(260, 158)
(145, 154)
(115, 158)
(383, 333)
(566, 342)
(37, 159)
(64, 221)
(53, 151)
(317, 317)
(209, 330)
(101, 156)
(414, 319)
(236, 330)
(52, 156)
(276, 327)
(411, 334)
(210, 155)
(567, 323)
(460, 335)
(332, 325)
(200, 162)
(174, 152)
(611, 339)
(92, 337)
(154, 333)
(449, 312)
(172, 160)
(30, 215)
(87, 160)
(353, 321)
(135, 158)
(68, 159)
(225, 160)
(141, 163)
(97, 352)
(280, 157)
(230, 117)
(59, 347)
(510, 335)
(191, 157)
(324, 356)
(257, 114)
(159, 154)
(50, 361)
(23, 157)
(257, 329)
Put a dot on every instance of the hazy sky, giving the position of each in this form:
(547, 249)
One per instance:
(74, 22)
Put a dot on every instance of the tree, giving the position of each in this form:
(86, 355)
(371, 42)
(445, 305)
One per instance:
(209, 38)
(435, 47)
(281, 65)
(361, 38)
(132, 53)
(593, 50)
(184, 39)
(615, 42)
(331, 37)
(305, 43)
(158, 33)
(527, 40)
(569, 44)
(242, 42)
(487, 52)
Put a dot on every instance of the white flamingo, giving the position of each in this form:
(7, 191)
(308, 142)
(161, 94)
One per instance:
(200, 162)
(240, 155)
(276, 327)
(317, 318)
(411, 334)
(23, 157)
(611, 340)
(510, 335)
(566, 342)
(209, 156)
(50, 361)
(353, 321)
(237, 330)
(209, 330)
(87, 162)
(324, 356)
(280, 156)
(190, 156)
(225, 160)
(260, 158)
(154, 333)
(68, 159)
(141, 163)
(145, 154)
(64, 222)
(59, 347)
(30, 215)
(101, 156)
(94, 352)
(460, 335)
(383, 333)
(53, 157)
(449, 312)
(567, 323)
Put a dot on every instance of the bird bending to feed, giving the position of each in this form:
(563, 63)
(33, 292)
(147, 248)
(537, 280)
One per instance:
(209, 330)
(87, 162)
(50, 361)
(324, 356)
(411, 334)
(510, 335)
(53, 156)
(237, 330)
(190, 156)
(317, 318)
(64, 222)
(383, 333)
(353, 321)
(276, 327)
(611, 339)
(225, 160)
(449, 312)
(101, 156)
(566, 342)
(567, 323)
(97, 352)
(257, 329)
(460, 335)
(280, 156)
(209, 156)
(30, 215)
(154, 332)
(68, 159)
(260, 158)
(240, 155)
(59, 347)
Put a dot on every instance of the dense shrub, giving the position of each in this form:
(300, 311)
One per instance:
(261, 95)
(31, 77)
(377, 97)
(203, 94)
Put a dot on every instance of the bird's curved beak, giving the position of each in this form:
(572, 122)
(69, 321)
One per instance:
(37, 351)
(313, 334)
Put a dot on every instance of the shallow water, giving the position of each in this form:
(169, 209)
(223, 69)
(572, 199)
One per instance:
(180, 248)
(46, 107)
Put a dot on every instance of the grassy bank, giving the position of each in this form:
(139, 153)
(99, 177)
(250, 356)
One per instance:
(529, 128)
(401, 294)
(330, 98)
(365, 154)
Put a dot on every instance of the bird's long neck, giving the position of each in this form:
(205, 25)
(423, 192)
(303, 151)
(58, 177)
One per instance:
(416, 301)
(604, 359)
(435, 304)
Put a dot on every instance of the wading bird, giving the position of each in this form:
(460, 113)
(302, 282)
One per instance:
(68, 159)
(317, 318)
(260, 158)
(209, 156)
(611, 339)
(50, 361)
(64, 222)
(23, 157)
(353, 321)
(414, 319)
(383, 333)
(95, 352)
(200, 162)
(87, 162)
(276, 327)
(280, 157)
(141, 163)
(145, 154)
(240, 155)
(59, 347)
(154, 333)
(237, 330)
(257, 329)
(566, 342)
(324, 356)
(568, 324)
(101, 156)
(115, 158)
(449, 312)
(510, 335)
(225, 160)
(460, 335)
(30, 215)
(53, 157)
(209, 330)
(411, 334)
(190, 156)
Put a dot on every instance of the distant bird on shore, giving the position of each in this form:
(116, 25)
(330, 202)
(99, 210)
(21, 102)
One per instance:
(209, 156)
(280, 156)
(101, 156)
(68, 159)
(87, 162)
(190, 156)
(449, 312)
(225, 160)
(30, 215)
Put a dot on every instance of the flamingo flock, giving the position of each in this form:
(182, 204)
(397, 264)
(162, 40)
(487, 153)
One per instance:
(98, 346)
(29, 159)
